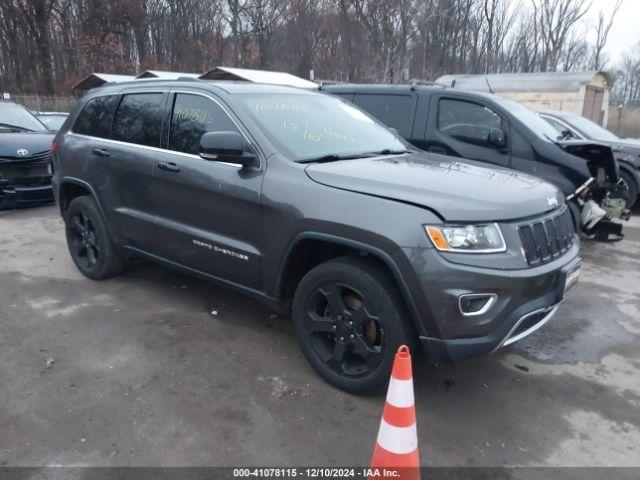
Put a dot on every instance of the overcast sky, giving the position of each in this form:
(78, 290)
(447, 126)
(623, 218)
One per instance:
(625, 32)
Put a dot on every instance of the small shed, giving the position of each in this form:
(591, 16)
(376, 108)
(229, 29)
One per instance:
(257, 76)
(98, 79)
(583, 93)
(164, 75)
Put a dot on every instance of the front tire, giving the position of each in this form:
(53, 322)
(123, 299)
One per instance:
(89, 243)
(632, 188)
(350, 320)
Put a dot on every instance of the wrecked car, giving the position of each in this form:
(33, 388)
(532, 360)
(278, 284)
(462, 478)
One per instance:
(25, 158)
(491, 129)
(625, 150)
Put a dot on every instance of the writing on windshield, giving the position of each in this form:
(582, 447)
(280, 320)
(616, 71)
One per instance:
(309, 126)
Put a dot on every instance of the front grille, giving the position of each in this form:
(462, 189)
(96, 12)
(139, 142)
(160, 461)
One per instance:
(547, 238)
(37, 159)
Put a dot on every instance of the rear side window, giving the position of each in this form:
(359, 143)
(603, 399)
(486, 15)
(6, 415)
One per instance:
(559, 126)
(394, 111)
(467, 121)
(192, 116)
(139, 119)
(96, 117)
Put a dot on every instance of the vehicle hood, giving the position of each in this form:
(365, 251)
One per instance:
(34, 142)
(457, 191)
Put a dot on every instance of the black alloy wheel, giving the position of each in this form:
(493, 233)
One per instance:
(88, 240)
(342, 331)
(349, 319)
(83, 240)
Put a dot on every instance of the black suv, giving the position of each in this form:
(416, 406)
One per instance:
(304, 202)
(488, 128)
(25, 158)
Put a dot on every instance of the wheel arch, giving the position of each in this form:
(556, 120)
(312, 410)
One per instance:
(71, 188)
(635, 176)
(631, 170)
(331, 246)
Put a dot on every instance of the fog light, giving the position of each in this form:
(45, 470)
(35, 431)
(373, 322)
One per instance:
(476, 303)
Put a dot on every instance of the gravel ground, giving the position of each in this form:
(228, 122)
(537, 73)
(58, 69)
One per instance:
(137, 371)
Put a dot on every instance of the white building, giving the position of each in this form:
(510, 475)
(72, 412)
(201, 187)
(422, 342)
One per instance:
(583, 93)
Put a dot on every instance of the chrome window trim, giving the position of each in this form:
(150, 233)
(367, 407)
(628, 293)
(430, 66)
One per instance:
(169, 90)
(485, 308)
(146, 147)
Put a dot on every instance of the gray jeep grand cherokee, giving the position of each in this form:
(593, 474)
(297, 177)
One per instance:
(306, 203)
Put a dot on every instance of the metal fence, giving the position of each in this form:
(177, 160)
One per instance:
(42, 103)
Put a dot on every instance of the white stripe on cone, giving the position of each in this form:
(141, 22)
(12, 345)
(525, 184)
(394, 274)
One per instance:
(398, 440)
(400, 393)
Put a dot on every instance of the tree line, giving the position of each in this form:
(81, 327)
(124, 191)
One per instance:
(47, 45)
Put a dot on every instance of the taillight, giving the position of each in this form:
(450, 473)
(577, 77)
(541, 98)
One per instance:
(54, 146)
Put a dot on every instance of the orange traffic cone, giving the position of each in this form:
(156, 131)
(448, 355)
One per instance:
(397, 445)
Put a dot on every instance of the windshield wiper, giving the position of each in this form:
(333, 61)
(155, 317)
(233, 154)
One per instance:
(388, 151)
(333, 157)
(9, 126)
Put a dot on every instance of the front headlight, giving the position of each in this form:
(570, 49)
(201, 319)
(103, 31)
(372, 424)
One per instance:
(467, 238)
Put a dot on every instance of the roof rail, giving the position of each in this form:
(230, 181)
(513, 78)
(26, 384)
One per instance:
(426, 83)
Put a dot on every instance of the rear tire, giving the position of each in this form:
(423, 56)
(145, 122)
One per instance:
(88, 241)
(350, 320)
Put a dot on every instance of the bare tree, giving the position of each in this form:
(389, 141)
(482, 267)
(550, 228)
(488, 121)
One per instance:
(557, 18)
(264, 18)
(47, 45)
(602, 34)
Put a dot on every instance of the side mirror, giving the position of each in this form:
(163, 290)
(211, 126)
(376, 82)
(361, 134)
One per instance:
(497, 139)
(227, 147)
(566, 134)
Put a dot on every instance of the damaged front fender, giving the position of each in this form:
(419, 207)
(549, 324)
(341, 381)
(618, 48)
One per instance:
(602, 198)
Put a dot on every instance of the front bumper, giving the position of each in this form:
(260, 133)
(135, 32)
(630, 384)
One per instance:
(25, 193)
(508, 333)
(526, 300)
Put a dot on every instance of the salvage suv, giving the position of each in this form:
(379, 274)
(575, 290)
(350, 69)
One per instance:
(308, 204)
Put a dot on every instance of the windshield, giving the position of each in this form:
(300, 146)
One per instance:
(15, 117)
(314, 126)
(591, 130)
(530, 118)
(53, 122)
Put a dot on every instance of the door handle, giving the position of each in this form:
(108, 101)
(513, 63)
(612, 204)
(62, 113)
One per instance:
(101, 152)
(169, 166)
